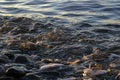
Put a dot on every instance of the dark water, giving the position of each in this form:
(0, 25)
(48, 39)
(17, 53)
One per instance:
(65, 11)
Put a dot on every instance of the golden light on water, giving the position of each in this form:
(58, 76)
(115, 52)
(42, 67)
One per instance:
(111, 21)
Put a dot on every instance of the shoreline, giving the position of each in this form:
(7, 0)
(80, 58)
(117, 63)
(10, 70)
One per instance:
(35, 50)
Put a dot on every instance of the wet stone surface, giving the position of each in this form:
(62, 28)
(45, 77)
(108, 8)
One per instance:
(38, 50)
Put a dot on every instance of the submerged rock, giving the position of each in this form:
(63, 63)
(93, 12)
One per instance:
(37, 50)
(10, 55)
(27, 45)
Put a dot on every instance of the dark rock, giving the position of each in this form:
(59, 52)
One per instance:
(35, 57)
(19, 30)
(6, 78)
(51, 75)
(2, 70)
(10, 56)
(36, 26)
(31, 76)
(13, 44)
(4, 59)
(22, 59)
(15, 65)
(16, 72)
(47, 60)
(29, 37)
(52, 67)
(21, 20)
(28, 45)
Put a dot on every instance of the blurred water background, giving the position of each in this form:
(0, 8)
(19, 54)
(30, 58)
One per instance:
(64, 11)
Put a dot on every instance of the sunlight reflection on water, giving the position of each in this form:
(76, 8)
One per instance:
(70, 10)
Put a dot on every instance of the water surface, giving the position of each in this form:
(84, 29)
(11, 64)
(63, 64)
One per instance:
(65, 11)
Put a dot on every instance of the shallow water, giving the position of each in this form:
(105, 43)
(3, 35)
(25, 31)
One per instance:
(88, 40)
(64, 11)
(72, 13)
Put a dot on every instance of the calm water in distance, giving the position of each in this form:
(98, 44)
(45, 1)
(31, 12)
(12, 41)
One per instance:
(67, 11)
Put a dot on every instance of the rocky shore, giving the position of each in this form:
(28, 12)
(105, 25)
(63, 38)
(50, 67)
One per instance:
(37, 50)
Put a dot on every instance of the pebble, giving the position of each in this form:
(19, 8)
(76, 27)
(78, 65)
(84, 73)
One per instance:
(52, 67)
(2, 70)
(55, 69)
(16, 72)
(21, 59)
(28, 45)
(6, 78)
(10, 55)
(4, 59)
(31, 76)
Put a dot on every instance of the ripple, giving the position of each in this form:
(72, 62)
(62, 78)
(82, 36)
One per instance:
(38, 2)
(9, 3)
(72, 10)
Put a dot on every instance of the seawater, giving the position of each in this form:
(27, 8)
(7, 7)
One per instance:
(64, 11)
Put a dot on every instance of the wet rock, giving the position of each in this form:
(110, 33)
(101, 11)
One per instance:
(21, 20)
(9, 65)
(35, 57)
(2, 70)
(59, 70)
(16, 72)
(31, 76)
(7, 27)
(54, 49)
(54, 35)
(22, 59)
(75, 62)
(13, 44)
(11, 24)
(10, 55)
(50, 61)
(19, 30)
(52, 67)
(27, 45)
(47, 60)
(115, 63)
(36, 26)
(97, 55)
(4, 59)
(6, 78)
(28, 37)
